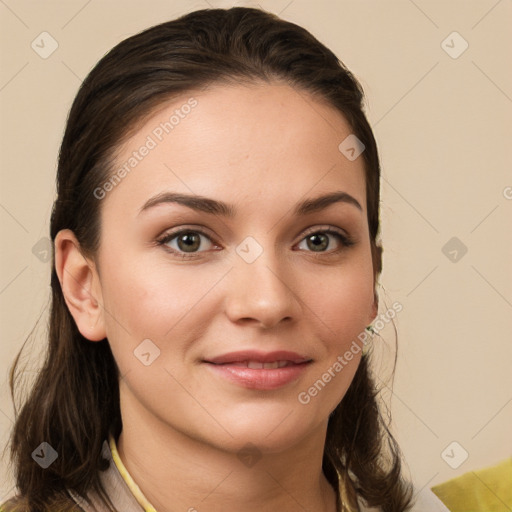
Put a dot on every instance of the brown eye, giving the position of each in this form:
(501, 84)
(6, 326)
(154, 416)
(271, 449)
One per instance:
(188, 242)
(185, 242)
(319, 241)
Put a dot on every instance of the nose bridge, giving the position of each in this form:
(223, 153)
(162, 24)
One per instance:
(261, 289)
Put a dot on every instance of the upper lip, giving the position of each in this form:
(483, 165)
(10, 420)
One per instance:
(263, 357)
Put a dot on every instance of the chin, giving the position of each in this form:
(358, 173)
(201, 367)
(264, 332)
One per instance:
(273, 432)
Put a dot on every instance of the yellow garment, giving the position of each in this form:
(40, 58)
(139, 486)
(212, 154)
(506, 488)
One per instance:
(485, 490)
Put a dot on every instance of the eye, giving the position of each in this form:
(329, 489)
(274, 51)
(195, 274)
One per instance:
(319, 240)
(188, 241)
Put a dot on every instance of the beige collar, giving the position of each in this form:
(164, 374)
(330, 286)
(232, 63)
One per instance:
(116, 486)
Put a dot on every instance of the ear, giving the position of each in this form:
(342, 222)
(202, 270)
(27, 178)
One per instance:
(80, 284)
(377, 269)
(374, 309)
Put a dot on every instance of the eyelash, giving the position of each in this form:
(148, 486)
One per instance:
(345, 240)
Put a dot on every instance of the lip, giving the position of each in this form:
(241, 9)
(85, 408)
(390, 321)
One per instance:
(262, 357)
(228, 367)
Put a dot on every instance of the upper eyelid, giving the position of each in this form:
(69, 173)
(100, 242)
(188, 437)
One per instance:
(206, 231)
(167, 236)
(174, 233)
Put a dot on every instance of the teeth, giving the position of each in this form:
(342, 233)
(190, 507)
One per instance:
(257, 365)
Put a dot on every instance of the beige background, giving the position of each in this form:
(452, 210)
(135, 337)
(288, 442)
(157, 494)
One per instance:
(443, 129)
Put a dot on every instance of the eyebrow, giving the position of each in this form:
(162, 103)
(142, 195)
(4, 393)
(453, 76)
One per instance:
(219, 208)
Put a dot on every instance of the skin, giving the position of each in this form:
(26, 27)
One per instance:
(262, 148)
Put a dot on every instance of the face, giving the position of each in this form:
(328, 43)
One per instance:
(222, 318)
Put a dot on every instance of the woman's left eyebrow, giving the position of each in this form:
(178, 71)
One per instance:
(219, 208)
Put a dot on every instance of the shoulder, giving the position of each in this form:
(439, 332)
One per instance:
(426, 501)
(20, 504)
(15, 504)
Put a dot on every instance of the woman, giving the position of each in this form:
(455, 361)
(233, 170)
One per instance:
(214, 273)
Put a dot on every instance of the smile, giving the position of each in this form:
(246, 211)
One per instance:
(258, 365)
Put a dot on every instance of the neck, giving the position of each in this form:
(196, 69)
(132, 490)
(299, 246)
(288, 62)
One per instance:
(177, 472)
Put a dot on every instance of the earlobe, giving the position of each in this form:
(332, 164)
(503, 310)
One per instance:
(80, 286)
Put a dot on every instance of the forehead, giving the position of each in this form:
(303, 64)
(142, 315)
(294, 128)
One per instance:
(270, 141)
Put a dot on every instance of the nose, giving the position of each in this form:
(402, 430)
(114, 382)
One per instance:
(262, 292)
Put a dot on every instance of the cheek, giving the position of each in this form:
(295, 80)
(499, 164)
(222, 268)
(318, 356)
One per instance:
(156, 301)
(148, 298)
(340, 308)
(342, 299)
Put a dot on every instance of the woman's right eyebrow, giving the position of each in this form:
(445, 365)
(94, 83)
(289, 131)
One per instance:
(219, 208)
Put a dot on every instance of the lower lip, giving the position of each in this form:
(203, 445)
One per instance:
(263, 379)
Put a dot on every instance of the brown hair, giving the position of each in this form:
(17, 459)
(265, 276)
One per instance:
(74, 403)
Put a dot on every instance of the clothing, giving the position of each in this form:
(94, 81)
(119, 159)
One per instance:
(127, 496)
(488, 489)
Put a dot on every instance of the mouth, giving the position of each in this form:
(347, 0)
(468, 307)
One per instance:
(258, 365)
(257, 370)
(280, 358)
